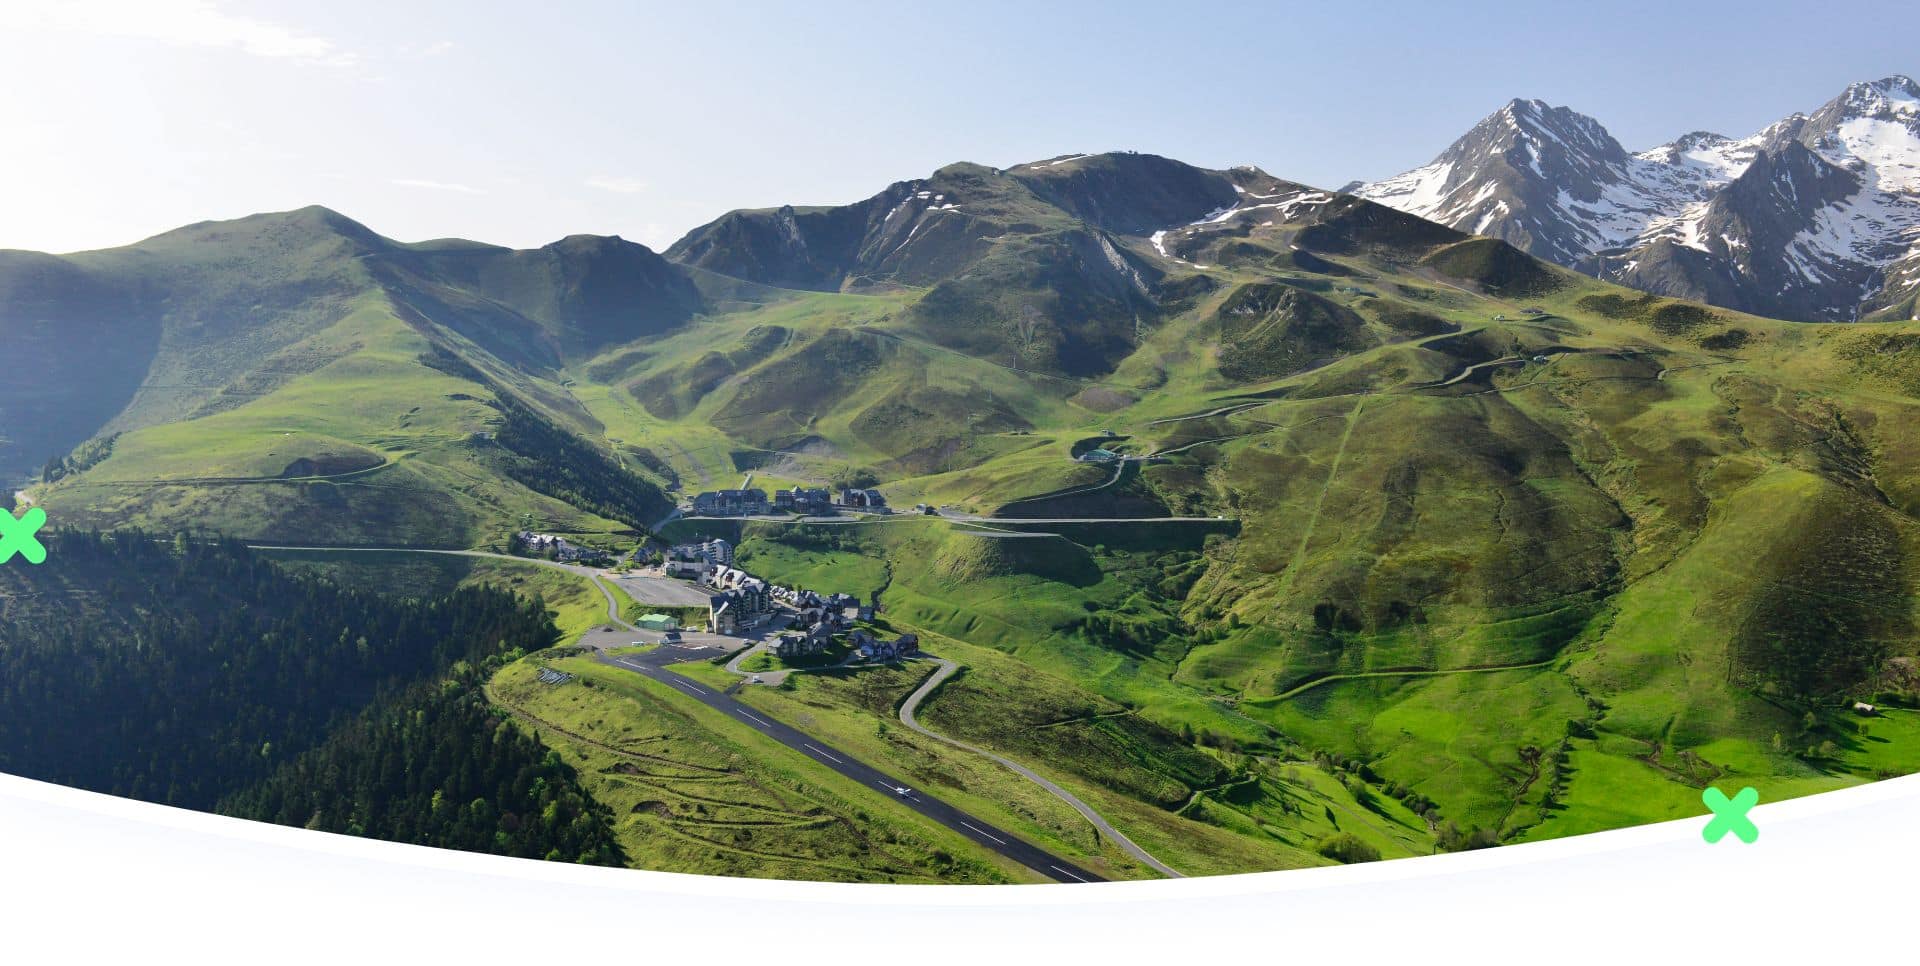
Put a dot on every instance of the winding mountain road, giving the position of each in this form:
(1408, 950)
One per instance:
(654, 664)
(946, 670)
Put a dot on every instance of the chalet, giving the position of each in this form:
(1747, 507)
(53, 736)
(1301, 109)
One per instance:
(807, 643)
(806, 500)
(862, 499)
(820, 636)
(724, 613)
(715, 551)
(730, 611)
(557, 548)
(730, 503)
(690, 569)
(738, 598)
(870, 649)
(733, 578)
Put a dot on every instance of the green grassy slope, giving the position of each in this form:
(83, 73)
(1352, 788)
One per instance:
(1482, 544)
(297, 391)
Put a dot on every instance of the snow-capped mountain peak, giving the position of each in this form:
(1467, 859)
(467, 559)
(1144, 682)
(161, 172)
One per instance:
(1873, 128)
(1528, 156)
(1832, 210)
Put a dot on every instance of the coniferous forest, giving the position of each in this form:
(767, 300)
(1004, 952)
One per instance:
(193, 673)
(439, 767)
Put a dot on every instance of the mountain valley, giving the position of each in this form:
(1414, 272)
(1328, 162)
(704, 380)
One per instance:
(1410, 533)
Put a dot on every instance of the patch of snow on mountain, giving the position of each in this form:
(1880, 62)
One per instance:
(1890, 149)
(1499, 210)
(1682, 229)
(1421, 191)
(1861, 228)
(1217, 215)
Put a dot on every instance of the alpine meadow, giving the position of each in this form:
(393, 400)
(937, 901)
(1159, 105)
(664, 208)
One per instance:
(1100, 517)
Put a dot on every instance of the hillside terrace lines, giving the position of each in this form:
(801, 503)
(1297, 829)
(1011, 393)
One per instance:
(976, 830)
(1300, 689)
(385, 463)
(1233, 408)
(943, 350)
(968, 826)
(1313, 518)
(946, 669)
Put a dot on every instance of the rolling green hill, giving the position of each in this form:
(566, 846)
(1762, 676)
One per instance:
(1474, 548)
(295, 376)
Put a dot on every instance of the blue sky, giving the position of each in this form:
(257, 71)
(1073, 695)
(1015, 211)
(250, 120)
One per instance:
(505, 123)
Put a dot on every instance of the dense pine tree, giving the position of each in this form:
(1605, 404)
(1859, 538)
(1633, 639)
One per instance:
(191, 672)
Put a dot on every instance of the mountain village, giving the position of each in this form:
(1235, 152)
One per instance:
(806, 623)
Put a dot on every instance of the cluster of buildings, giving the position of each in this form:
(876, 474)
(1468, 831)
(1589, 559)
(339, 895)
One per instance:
(731, 503)
(737, 600)
(547, 545)
(804, 642)
(741, 600)
(804, 500)
(693, 560)
(870, 648)
(817, 619)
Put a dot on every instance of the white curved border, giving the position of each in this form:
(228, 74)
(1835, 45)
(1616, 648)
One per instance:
(87, 876)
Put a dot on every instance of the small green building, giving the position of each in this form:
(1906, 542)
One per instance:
(659, 622)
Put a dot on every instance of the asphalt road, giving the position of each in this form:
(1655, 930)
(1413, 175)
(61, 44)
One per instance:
(947, 669)
(654, 663)
(700, 646)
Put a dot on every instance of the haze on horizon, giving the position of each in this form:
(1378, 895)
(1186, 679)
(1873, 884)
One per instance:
(517, 127)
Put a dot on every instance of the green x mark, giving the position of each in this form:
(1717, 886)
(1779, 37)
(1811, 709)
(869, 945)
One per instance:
(1730, 815)
(17, 535)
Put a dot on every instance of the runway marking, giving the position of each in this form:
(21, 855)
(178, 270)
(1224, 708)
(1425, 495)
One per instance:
(1066, 873)
(821, 753)
(984, 834)
(751, 718)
